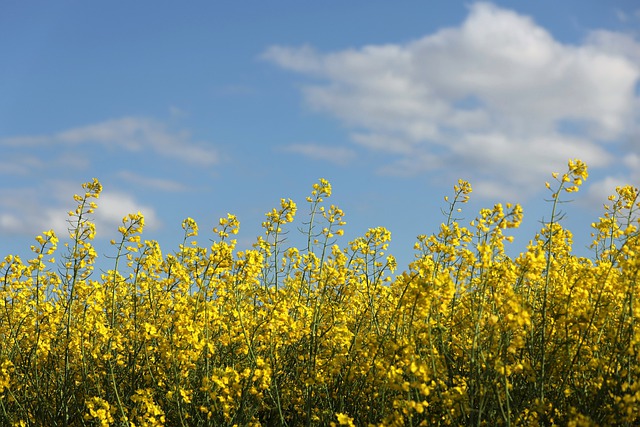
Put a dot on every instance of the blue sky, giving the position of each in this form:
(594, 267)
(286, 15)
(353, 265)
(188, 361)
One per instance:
(203, 108)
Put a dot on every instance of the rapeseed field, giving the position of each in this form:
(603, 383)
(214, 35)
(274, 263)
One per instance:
(327, 333)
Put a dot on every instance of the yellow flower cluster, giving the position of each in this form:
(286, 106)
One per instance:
(324, 334)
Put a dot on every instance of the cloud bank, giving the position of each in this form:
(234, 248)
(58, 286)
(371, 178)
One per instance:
(497, 97)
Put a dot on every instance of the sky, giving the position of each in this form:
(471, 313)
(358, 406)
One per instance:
(202, 108)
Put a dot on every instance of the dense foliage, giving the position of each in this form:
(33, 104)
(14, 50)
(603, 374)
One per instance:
(324, 334)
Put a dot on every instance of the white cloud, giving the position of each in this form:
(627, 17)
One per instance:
(632, 161)
(133, 134)
(138, 134)
(496, 97)
(21, 212)
(9, 222)
(616, 43)
(599, 191)
(337, 155)
(48, 165)
(113, 206)
(30, 211)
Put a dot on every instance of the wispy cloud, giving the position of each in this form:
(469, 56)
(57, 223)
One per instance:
(626, 17)
(45, 171)
(497, 97)
(133, 134)
(31, 210)
(15, 165)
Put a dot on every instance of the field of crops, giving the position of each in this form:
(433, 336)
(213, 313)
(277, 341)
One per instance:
(325, 334)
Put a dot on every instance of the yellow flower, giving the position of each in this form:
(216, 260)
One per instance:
(344, 420)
